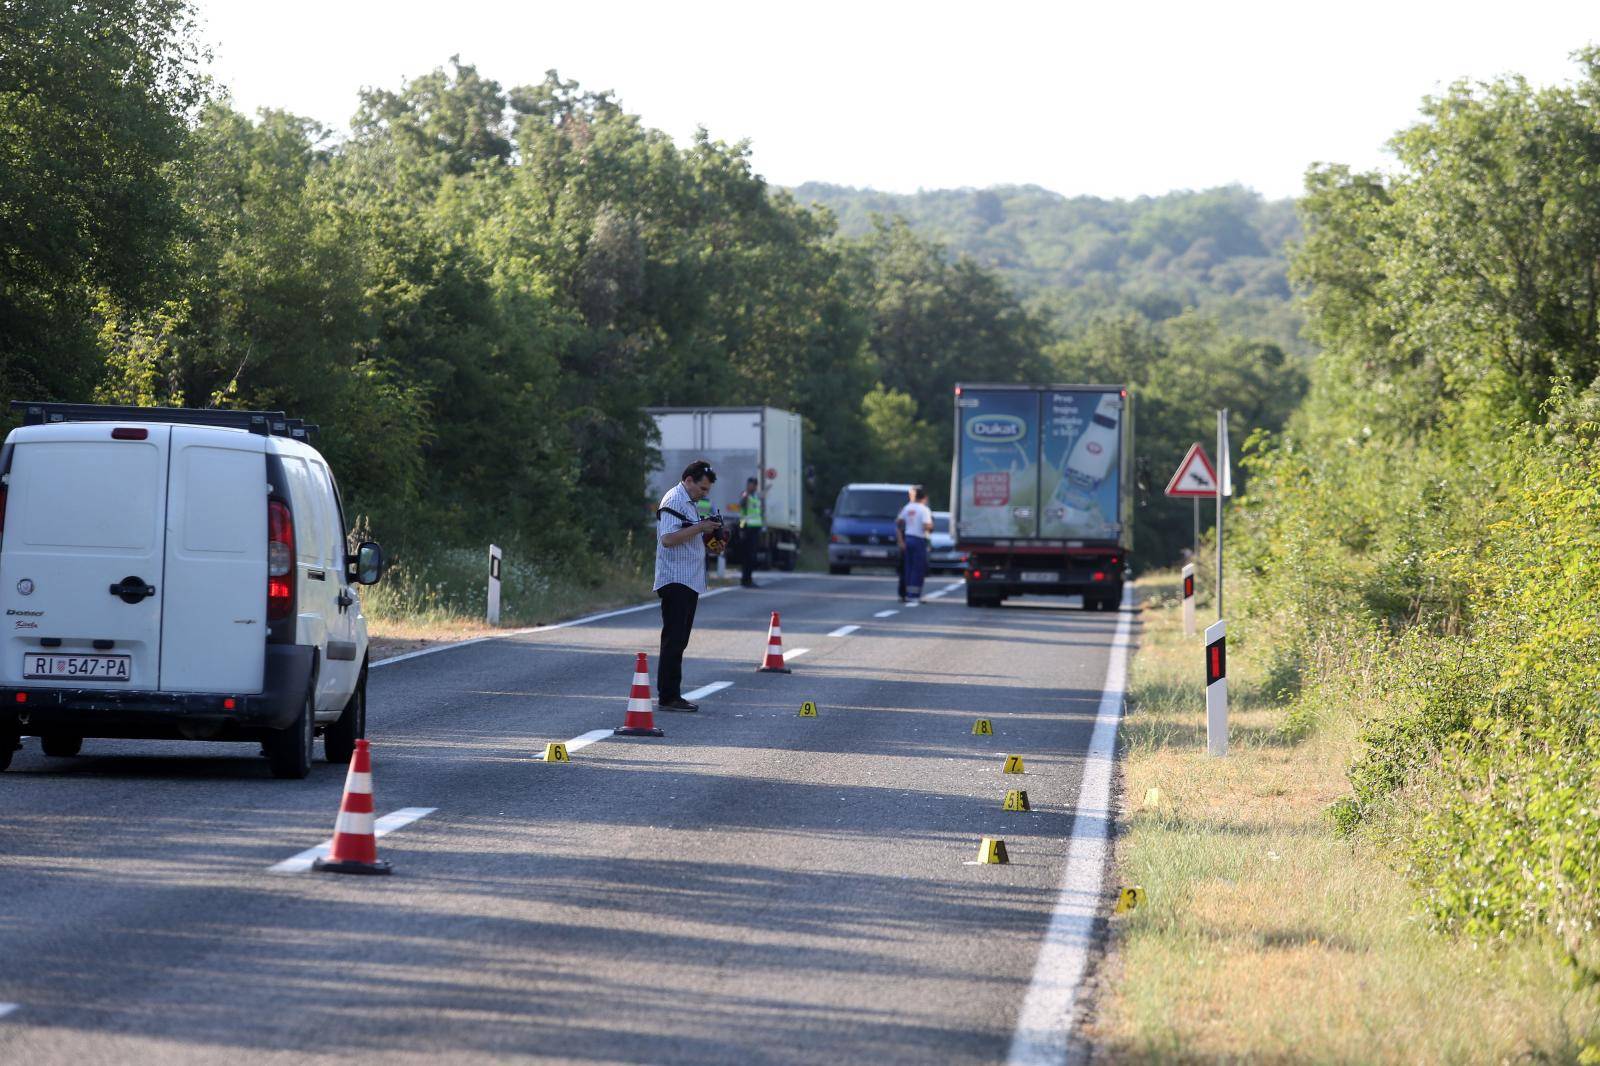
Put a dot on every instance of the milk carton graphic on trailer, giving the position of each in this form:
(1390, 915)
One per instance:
(1040, 490)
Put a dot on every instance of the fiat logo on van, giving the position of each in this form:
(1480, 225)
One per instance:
(997, 429)
(25, 587)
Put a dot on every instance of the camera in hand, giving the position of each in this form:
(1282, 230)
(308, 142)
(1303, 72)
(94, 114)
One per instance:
(716, 539)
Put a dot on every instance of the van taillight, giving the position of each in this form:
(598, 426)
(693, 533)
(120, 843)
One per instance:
(280, 560)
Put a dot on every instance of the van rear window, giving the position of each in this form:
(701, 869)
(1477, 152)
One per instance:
(870, 503)
(85, 494)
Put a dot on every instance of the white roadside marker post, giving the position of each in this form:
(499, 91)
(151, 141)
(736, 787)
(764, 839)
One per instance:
(1188, 598)
(1217, 688)
(494, 585)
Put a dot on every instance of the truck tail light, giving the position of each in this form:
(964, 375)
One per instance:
(280, 560)
(1099, 575)
(977, 575)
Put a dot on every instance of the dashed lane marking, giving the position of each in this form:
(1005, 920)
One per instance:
(382, 827)
(7, 1008)
(701, 693)
(844, 631)
(795, 654)
(947, 590)
(885, 614)
(586, 739)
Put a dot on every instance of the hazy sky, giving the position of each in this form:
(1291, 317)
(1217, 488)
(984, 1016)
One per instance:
(1093, 97)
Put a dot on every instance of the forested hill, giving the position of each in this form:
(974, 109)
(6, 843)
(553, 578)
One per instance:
(1221, 250)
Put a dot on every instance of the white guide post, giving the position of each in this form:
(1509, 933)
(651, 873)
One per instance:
(494, 585)
(1188, 598)
(1217, 688)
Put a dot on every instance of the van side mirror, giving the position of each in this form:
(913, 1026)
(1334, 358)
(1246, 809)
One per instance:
(369, 563)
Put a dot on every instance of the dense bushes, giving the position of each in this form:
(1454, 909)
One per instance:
(1432, 518)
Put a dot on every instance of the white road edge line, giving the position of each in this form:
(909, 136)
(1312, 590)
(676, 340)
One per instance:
(1044, 1025)
(585, 620)
(885, 614)
(844, 631)
(7, 1008)
(382, 827)
(795, 654)
(706, 690)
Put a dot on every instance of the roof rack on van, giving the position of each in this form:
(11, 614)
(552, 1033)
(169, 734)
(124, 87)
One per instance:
(266, 423)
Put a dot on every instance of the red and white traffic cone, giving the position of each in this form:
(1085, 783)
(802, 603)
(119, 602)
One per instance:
(355, 845)
(774, 661)
(641, 720)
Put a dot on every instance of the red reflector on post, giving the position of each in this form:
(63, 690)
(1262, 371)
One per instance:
(127, 433)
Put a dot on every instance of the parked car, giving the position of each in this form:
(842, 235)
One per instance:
(863, 526)
(942, 553)
(178, 574)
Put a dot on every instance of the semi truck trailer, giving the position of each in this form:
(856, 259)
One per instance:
(1041, 491)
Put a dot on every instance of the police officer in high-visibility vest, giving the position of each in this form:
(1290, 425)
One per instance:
(752, 520)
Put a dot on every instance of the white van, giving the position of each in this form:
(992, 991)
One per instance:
(172, 573)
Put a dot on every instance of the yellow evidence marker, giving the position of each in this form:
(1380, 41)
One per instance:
(1016, 800)
(992, 849)
(556, 752)
(1129, 898)
(808, 709)
(1014, 764)
(982, 728)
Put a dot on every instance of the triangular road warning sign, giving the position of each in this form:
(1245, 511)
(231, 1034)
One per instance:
(1195, 477)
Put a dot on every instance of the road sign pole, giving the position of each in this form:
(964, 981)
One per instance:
(1194, 551)
(1222, 458)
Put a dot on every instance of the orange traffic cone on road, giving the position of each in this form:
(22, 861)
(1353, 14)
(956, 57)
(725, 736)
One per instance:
(641, 720)
(355, 845)
(774, 661)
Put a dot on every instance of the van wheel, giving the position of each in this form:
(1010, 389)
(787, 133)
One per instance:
(60, 745)
(289, 750)
(9, 742)
(339, 739)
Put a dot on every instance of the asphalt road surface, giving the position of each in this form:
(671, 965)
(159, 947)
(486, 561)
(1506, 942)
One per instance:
(754, 887)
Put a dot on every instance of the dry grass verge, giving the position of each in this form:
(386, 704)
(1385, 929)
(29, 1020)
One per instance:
(1264, 936)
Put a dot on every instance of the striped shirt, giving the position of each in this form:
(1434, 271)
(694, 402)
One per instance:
(684, 564)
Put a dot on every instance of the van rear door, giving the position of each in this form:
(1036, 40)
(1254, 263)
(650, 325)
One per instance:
(85, 513)
(214, 613)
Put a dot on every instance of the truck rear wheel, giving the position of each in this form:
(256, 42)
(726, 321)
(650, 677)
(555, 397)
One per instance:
(977, 599)
(60, 745)
(289, 750)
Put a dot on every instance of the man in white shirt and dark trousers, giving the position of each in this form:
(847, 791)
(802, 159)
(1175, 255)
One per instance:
(913, 526)
(680, 576)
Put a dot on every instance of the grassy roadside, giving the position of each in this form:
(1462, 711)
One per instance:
(1266, 937)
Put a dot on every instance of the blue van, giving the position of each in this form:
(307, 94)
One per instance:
(863, 526)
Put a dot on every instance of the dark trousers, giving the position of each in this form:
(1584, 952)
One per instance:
(677, 622)
(749, 548)
(900, 569)
(916, 566)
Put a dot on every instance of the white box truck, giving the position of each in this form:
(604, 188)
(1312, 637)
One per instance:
(739, 443)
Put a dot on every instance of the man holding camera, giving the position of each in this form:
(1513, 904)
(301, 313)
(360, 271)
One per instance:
(681, 575)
